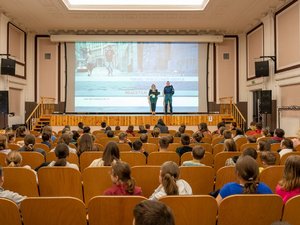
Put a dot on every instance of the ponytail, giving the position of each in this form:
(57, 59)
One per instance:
(29, 147)
(130, 186)
(61, 162)
(250, 187)
(11, 164)
(169, 184)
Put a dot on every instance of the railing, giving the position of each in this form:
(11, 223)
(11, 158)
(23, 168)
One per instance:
(238, 116)
(225, 105)
(46, 106)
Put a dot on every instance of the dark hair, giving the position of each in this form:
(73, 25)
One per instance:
(45, 136)
(177, 134)
(110, 133)
(150, 212)
(230, 145)
(85, 143)
(111, 153)
(164, 142)
(156, 132)
(221, 130)
(227, 134)
(76, 135)
(258, 126)
(169, 173)
(80, 125)
(247, 169)
(203, 127)
(279, 132)
(65, 130)
(61, 152)
(181, 130)
(161, 122)
(185, 139)
(291, 173)
(251, 152)
(264, 146)
(137, 145)
(239, 131)
(220, 124)
(234, 124)
(144, 138)
(103, 124)
(268, 157)
(65, 138)
(198, 152)
(20, 131)
(117, 128)
(29, 141)
(130, 128)
(287, 143)
(122, 170)
(170, 138)
(86, 130)
(3, 142)
(147, 126)
(122, 136)
(251, 139)
(197, 136)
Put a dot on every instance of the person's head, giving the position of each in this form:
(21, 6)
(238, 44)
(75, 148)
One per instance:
(227, 134)
(61, 153)
(153, 87)
(268, 158)
(86, 130)
(68, 127)
(291, 174)
(47, 128)
(221, 130)
(65, 130)
(46, 136)
(130, 128)
(108, 128)
(10, 137)
(279, 133)
(265, 132)
(137, 145)
(247, 171)
(220, 124)
(76, 135)
(253, 125)
(85, 143)
(29, 141)
(263, 146)
(171, 138)
(21, 131)
(230, 145)
(103, 125)
(286, 144)
(168, 83)
(202, 127)
(161, 122)
(163, 142)
(239, 131)
(251, 152)
(169, 174)
(121, 174)
(144, 138)
(3, 142)
(185, 139)
(122, 136)
(80, 125)
(197, 136)
(147, 126)
(150, 212)
(181, 130)
(117, 128)
(111, 153)
(156, 132)
(177, 134)
(258, 126)
(198, 152)
(110, 134)
(233, 126)
(141, 128)
(13, 159)
(65, 138)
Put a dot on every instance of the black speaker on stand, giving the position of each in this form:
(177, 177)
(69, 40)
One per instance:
(3, 108)
(265, 106)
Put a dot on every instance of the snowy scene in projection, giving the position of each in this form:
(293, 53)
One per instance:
(116, 77)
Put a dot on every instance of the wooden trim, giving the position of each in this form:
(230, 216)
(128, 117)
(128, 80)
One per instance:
(215, 72)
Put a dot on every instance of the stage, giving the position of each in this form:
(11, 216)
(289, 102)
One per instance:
(135, 119)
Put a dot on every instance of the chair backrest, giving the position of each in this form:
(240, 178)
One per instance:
(220, 159)
(3, 159)
(285, 156)
(60, 181)
(112, 210)
(291, 211)
(177, 140)
(42, 146)
(225, 175)
(252, 209)
(206, 139)
(201, 178)
(271, 176)
(21, 180)
(220, 147)
(248, 145)
(173, 146)
(150, 147)
(146, 177)
(206, 146)
(13, 147)
(275, 147)
(95, 181)
(104, 140)
(53, 211)
(133, 158)
(86, 158)
(124, 147)
(158, 158)
(72, 158)
(32, 159)
(99, 146)
(9, 213)
(189, 132)
(216, 140)
(193, 209)
(153, 140)
(239, 142)
(207, 160)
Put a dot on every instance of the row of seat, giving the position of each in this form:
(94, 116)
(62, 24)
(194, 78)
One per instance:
(62, 181)
(118, 210)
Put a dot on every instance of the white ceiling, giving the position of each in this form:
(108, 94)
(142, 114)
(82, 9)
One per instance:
(219, 17)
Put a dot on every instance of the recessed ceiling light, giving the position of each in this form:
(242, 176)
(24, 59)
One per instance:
(159, 5)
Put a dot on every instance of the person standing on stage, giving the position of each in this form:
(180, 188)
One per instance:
(168, 92)
(153, 96)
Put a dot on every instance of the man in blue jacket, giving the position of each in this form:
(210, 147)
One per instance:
(168, 92)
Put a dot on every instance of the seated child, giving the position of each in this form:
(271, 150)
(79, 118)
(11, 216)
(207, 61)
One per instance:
(197, 153)
(137, 146)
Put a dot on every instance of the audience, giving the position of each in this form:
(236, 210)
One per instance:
(185, 141)
(29, 142)
(286, 146)
(144, 138)
(267, 158)
(263, 146)
(197, 153)
(137, 146)
(278, 136)
(197, 138)
(163, 144)
(85, 143)
(203, 129)
(130, 130)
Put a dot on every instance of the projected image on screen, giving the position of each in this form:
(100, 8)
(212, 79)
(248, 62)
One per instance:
(116, 77)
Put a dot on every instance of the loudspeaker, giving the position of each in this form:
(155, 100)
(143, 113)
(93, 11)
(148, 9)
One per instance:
(4, 102)
(8, 66)
(265, 102)
(262, 69)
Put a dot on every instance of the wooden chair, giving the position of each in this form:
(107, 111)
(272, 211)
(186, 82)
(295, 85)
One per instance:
(220, 159)
(271, 176)
(153, 140)
(53, 211)
(177, 140)
(150, 147)
(285, 156)
(60, 181)
(32, 159)
(251, 209)
(189, 132)
(264, 139)
(3, 159)
(72, 158)
(86, 158)
(248, 145)
(21, 180)
(133, 139)
(239, 142)
(275, 147)
(13, 147)
(146, 177)
(297, 148)
(9, 213)
(220, 147)
(291, 211)
(158, 158)
(103, 141)
(192, 210)
(95, 181)
(201, 178)
(207, 160)
(206, 140)
(225, 175)
(206, 146)
(99, 146)
(38, 140)
(42, 146)
(173, 146)
(133, 158)
(172, 132)
(124, 147)
(216, 140)
(112, 210)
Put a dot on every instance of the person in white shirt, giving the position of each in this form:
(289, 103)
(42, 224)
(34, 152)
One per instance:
(286, 146)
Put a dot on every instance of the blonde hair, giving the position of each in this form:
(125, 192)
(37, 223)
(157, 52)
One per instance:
(169, 173)
(291, 174)
(13, 159)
